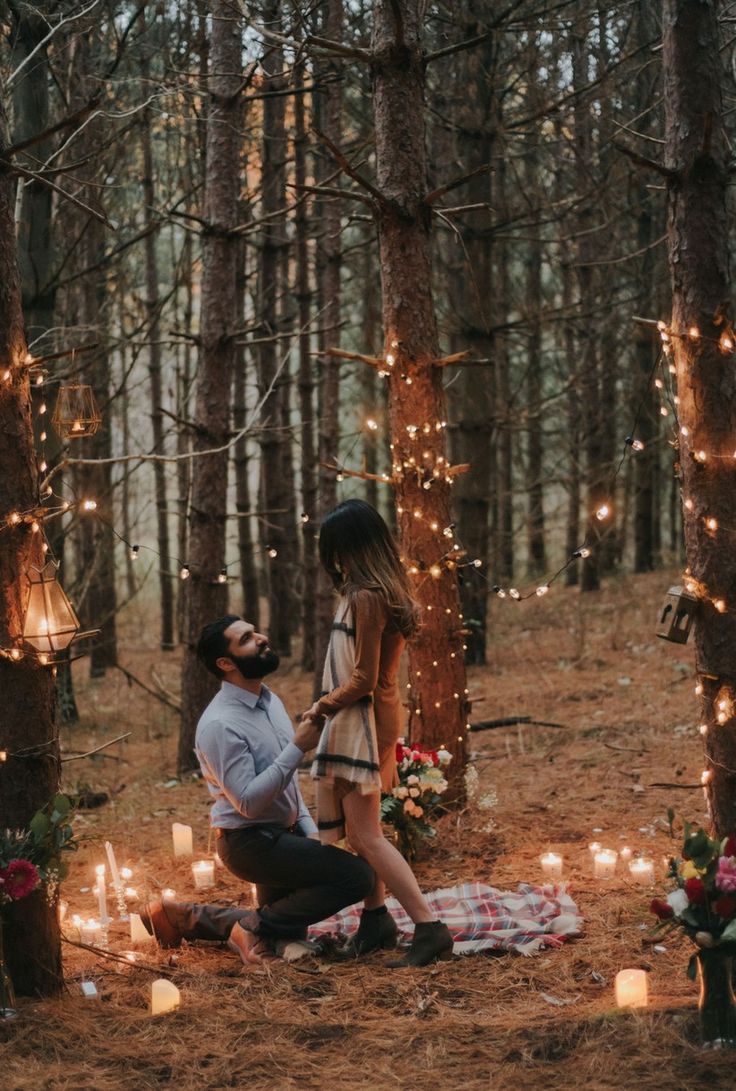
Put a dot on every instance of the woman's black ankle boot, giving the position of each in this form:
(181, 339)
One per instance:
(431, 941)
(376, 930)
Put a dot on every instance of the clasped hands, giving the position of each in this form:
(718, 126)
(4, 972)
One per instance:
(309, 729)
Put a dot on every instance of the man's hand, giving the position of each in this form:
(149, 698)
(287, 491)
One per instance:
(307, 733)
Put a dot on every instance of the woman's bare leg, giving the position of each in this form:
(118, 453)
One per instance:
(362, 819)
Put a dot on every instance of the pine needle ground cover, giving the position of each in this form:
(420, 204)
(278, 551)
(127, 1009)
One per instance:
(590, 663)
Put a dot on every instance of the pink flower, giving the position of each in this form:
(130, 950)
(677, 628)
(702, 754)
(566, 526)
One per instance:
(19, 879)
(726, 874)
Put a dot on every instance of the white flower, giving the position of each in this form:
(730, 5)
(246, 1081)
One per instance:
(413, 779)
(414, 792)
(401, 792)
(444, 756)
(679, 901)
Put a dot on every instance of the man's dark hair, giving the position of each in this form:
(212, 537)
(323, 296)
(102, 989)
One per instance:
(212, 643)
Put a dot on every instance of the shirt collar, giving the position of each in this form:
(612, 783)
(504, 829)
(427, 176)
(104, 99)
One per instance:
(245, 696)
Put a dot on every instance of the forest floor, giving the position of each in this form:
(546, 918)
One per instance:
(591, 663)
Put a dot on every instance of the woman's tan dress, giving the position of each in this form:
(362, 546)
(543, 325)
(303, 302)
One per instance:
(357, 748)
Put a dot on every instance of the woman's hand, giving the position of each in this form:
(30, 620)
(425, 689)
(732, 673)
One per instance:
(312, 713)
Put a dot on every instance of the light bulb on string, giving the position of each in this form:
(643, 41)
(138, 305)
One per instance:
(89, 505)
(272, 552)
(134, 551)
(602, 512)
(222, 576)
(184, 572)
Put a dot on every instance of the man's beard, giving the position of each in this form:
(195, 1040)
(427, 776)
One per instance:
(256, 666)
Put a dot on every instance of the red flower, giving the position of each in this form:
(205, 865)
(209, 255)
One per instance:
(725, 907)
(695, 890)
(434, 757)
(661, 909)
(399, 752)
(730, 846)
(19, 879)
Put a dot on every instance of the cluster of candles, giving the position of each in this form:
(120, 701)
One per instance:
(605, 862)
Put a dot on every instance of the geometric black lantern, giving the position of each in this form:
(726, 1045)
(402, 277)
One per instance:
(678, 612)
(50, 623)
(76, 414)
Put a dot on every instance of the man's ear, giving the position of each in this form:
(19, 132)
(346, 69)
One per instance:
(224, 664)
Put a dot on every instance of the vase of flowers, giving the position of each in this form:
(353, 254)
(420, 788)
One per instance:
(703, 905)
(31, 859)
(412, 803)
(18, 879)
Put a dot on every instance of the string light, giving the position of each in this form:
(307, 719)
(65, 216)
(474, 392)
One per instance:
(134, 551)
(184, 572)
(222, 576)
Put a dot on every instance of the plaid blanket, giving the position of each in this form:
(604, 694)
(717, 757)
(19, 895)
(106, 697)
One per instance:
(482, 918)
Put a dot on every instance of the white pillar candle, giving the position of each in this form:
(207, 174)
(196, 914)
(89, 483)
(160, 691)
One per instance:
(631, 989)
(114, 873)
(551, 865)
(254, 895)
(164, 996)
(138, 931)
(168, 895)
(594, 847)
(204, 874)
(63, 907)
(642, 871)
(625, 853)
(604, 864)
(101, 900)
(131, 893)
(183, 845)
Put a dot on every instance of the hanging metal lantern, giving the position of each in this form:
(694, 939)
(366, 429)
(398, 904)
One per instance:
(76, 414)
(50, 623)
(678, 612)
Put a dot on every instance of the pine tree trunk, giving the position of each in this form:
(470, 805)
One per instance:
(153, 304)
(416, 411)
(305, 385)
(698, 157)
(646, 510)
(471, 290)
(272, 359)
(590, 386)
(27, 714)
(329, 266)
(206, 598)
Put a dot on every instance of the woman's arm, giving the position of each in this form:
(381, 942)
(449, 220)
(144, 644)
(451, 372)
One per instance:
(370, 618)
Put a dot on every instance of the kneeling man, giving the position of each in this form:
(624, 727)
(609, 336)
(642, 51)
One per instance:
(249, 754)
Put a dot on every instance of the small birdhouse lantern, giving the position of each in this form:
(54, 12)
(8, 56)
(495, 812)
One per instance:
(678, 611)
(50, 623)
(76, 414)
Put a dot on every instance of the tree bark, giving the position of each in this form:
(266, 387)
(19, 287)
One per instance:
(206, 598)
(329, 267)
(27, 714)
(305, 386)
(272, 356)
(697, 155)
(436, 669)
(153, 327)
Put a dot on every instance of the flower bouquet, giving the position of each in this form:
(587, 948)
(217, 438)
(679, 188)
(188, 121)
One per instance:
(30, 859)
(410, 805)
(703, 905)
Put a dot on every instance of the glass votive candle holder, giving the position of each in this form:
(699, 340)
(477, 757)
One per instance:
(642, 871)
(604, 864)
(204, 874)
(551, 865)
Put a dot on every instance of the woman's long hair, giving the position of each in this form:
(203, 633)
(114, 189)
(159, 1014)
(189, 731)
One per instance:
(358, 551)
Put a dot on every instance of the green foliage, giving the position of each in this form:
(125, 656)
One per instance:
(48, 836)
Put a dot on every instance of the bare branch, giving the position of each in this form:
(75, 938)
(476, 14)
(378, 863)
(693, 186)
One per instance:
(373, 361)
(362, 474)
(343, 162)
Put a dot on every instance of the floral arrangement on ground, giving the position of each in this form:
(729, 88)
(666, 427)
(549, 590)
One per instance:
(417, 797)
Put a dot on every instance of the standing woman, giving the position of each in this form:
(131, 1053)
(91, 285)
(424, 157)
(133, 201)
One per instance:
(356, 755)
